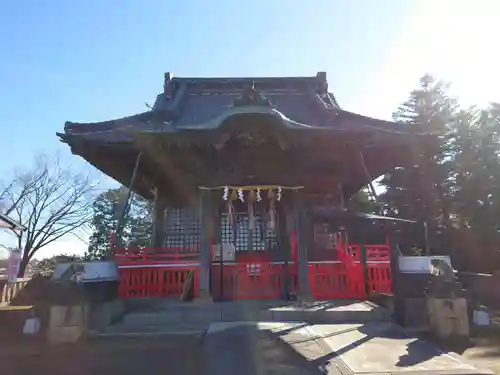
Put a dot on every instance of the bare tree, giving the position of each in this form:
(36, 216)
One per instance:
(51, 201)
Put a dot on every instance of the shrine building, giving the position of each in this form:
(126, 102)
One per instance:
(238, 170)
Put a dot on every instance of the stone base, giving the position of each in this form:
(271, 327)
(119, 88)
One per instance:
(413, 313)
(70, 323)
(66, 324)
(204, 298)
(448, 317)
(66, 315)
(305, 296)
(105, 314)
(64, 335)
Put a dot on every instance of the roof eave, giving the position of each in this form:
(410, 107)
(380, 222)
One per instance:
(8, 223)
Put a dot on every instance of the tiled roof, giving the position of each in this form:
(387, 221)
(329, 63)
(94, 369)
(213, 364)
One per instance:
(205, 103)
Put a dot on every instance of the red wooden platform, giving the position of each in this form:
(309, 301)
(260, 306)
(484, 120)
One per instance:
(162, 273)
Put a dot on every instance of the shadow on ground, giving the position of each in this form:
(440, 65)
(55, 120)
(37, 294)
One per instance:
(249, 351)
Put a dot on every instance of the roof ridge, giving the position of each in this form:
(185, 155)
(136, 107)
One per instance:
(319, 76)
(171, 83)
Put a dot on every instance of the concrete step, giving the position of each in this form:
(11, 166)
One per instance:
(168, 317)
(188, 314)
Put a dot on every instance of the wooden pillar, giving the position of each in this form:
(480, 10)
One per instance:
(303, 227)
(399, 306)
(159, 224)
(288, 228)
(206, 215)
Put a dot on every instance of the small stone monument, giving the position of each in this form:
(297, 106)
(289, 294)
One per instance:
(446, 302)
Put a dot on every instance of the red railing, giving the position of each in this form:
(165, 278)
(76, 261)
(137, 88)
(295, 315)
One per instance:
(378, 267)
(336, 280)
(378, 252)
(162, 272)
(253, 280)
(379, 278)
(153, 272)
(156, 281)
(147, 256)
(373, 252)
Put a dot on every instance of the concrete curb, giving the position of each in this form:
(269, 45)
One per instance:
(179, 332)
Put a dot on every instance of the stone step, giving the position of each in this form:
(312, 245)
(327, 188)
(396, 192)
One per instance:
(124, 330)
(360, 313)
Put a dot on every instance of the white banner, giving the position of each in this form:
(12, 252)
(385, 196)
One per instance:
(13, 265)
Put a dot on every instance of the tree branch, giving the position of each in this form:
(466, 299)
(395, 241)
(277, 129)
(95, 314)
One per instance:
(50, 201)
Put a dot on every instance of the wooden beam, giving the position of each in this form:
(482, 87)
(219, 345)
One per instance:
(185, 189)
(159, 207)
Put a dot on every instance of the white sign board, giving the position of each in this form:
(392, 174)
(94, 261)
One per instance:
(13, 265)
(419, 264)
(228, 252)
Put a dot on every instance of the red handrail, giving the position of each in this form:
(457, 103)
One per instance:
(155, 255)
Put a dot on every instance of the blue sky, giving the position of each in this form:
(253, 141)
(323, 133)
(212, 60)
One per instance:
(95, 60)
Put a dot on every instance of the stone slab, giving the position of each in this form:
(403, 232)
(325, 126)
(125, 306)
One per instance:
(62, 335)
(196, 316)
(66, 316)
(118, 330)
(334, 349)
(386, 348)
(167, 317)
(173, 313)
(249, 348)
(271, 326)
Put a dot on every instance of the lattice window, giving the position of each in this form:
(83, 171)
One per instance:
(182, 228)
(263, 238)
(324, 236)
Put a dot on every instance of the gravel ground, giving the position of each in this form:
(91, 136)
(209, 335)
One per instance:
(110, 356)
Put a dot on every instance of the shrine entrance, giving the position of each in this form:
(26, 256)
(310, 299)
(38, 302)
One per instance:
(254, 251)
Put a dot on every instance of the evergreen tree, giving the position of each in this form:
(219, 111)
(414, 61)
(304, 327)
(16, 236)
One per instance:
(137, 225)
(362, 201)
(420, 189)
(476, 176)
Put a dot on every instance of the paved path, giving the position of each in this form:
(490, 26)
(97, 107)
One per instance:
(284, 348)
(255, 349)
(244, 349)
